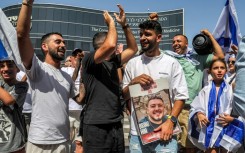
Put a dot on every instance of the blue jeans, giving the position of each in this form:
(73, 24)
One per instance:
(136, 146)
(239, 91)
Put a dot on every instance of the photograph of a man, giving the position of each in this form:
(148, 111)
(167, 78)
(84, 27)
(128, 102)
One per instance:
(155, 111)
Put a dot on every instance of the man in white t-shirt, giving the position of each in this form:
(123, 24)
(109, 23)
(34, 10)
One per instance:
(143, 70)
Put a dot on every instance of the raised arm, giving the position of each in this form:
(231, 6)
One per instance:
(110, 42)
(77, 66)
(130, 39)
(80, 97)
(217, 50)
(23, 33)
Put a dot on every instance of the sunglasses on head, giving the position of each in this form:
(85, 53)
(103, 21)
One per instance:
(232, 62)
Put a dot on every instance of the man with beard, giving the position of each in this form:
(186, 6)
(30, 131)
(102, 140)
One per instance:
(149, 66)
(155, 113)
(51, 88)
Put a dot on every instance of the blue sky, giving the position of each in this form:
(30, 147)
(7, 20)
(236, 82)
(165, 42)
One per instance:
(198, 14)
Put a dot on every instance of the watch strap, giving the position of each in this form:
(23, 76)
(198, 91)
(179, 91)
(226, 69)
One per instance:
(172, 118)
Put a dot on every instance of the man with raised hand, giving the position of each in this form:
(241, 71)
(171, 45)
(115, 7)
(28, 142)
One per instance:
(193, 66)
(102, 127)
(51, 88)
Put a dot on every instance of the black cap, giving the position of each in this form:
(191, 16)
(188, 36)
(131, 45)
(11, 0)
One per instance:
(76, 51)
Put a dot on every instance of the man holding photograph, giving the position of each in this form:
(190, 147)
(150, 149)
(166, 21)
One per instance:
(149, 66)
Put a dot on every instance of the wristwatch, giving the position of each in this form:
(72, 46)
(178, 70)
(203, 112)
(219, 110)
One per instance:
(172, 118)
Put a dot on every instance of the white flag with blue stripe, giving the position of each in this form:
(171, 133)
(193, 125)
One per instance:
(227, 30)
(8, 41)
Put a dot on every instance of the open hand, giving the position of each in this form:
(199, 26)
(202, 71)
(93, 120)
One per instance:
(108, 19)
(166, 130)
(143, 80)
(203, 120)
(121, 18)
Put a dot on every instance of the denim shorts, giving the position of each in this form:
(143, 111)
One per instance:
(136, 146)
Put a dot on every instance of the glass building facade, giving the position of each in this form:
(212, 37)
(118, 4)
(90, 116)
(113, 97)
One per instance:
(78, 25)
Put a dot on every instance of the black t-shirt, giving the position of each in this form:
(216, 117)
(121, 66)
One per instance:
(102, 90)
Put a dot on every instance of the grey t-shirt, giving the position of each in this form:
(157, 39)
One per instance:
(12, 126)
(51, 89)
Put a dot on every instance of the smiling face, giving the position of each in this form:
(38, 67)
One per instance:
(231, 64)
(8, 70)
(147, 39)
(218, 70)
(180, 44)
(155, 110)
(55, 47)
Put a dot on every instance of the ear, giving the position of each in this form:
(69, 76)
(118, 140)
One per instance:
(159, 37)
(44, 47)
(186, 45)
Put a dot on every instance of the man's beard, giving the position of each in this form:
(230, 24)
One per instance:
(149, 48)
(55, 55)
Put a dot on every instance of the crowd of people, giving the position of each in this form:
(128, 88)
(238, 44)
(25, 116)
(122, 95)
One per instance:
(48, 107)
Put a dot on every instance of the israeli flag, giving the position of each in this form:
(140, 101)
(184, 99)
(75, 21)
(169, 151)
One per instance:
(8, 41)
(227, 30)
(230, 137)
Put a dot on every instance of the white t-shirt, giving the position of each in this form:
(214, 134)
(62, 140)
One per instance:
(20, 75)
(27, 108)
(162, 66)
(72, 104)
(51, 89)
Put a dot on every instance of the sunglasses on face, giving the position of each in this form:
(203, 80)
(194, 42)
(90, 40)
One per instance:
(231, 62)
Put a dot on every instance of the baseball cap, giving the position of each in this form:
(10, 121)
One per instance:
(6, 59)
(76, 51)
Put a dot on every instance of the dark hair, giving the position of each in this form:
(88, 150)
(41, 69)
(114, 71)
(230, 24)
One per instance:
(76, 51)
(98, 37)
(7, 61)
(217, 60)
(46, 36)
(182, 35)
(151, 24)
(151, 97)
